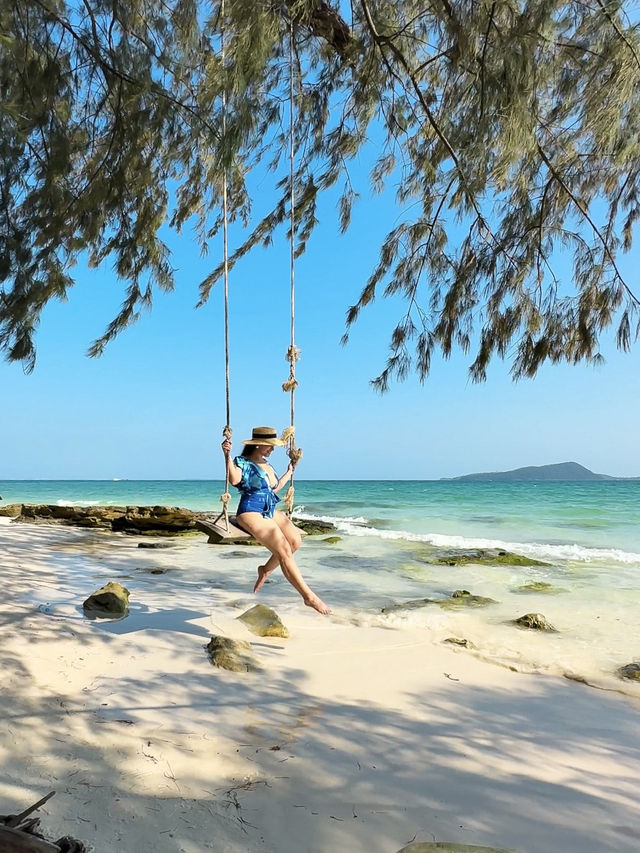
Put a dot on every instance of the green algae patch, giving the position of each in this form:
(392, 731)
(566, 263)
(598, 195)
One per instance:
(332, 540)
(487, 557)
(538, 586)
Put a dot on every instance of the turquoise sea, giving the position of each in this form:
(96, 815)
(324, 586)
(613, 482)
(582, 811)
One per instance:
(394, 532)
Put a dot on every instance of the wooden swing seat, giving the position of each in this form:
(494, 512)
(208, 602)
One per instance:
(218, 534)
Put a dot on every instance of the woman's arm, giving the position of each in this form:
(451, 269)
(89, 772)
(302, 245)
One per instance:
(233, 472)
(288, 474)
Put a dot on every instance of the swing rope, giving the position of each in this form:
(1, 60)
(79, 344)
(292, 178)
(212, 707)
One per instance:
(293, 353)
(227, 431)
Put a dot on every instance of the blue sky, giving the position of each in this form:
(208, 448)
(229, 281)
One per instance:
(152, 407)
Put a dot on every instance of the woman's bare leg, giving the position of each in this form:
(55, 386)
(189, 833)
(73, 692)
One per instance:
(267, 531)
(293, 537)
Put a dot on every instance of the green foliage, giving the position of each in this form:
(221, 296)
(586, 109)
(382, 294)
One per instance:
(509, 130)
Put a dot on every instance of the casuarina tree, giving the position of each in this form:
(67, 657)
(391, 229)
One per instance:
(508, 132)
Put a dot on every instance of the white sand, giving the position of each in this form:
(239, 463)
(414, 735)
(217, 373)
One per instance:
(352, 739)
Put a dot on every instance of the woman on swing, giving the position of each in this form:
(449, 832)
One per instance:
(259, 485)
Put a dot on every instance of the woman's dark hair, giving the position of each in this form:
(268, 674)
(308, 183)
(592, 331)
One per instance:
(247, 450)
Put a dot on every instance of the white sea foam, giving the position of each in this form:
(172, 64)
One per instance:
(77, 503)
(537, 550)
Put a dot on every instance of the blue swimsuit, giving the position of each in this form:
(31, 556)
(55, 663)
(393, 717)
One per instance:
(257, 492)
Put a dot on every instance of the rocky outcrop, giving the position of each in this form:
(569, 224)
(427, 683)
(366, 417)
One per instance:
(111, 600)
(11, 510)
(141, 520)
(534, 622)
(264, 622)
(235, 655)
(125, 519)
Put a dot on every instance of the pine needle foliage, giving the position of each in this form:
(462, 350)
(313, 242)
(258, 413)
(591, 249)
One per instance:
(508, 130)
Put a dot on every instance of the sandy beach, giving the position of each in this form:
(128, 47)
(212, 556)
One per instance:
(353, 738)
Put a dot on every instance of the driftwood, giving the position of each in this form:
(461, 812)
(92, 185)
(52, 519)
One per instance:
(20, 834)
(16, 841)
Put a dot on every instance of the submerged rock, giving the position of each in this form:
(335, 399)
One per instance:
(313, 527)
(332, 540)
(463, 598)
(538, 586)
(487, 557)
(458, 599)
(235, 655)
(630, 672)
(457, 641)
(447, 847)
(264, 622)
(535, 622)
(110, 600)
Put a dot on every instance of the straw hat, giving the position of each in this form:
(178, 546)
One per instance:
(264, 435)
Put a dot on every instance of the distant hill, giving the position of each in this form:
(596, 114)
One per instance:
(561, 471)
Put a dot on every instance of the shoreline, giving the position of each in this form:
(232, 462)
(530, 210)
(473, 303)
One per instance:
(353, 737)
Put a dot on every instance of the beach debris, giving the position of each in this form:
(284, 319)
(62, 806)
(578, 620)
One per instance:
(630, 672)
(458, 641)
(110, 600)
(235, 655)
(264, 622)
(535, 622)
(21, 834)
(448, 847)
(332, 540)
(155, 545)
(487, 557)
(538, 586)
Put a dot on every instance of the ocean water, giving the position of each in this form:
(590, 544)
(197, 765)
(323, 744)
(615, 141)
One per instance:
(393, 533)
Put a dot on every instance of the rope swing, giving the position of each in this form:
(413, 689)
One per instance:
(293, 353)
(227, 431)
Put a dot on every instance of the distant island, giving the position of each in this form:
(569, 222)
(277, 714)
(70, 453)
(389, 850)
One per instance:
(571, 471)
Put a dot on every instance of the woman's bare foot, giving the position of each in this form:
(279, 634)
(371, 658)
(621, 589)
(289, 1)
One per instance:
(317, 604)
(263, 574)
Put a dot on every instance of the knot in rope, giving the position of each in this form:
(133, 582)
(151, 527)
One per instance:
(288, 499)
(287, 434)
(225, 498)
(293, 354)
(227, 432)
(295, 455)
